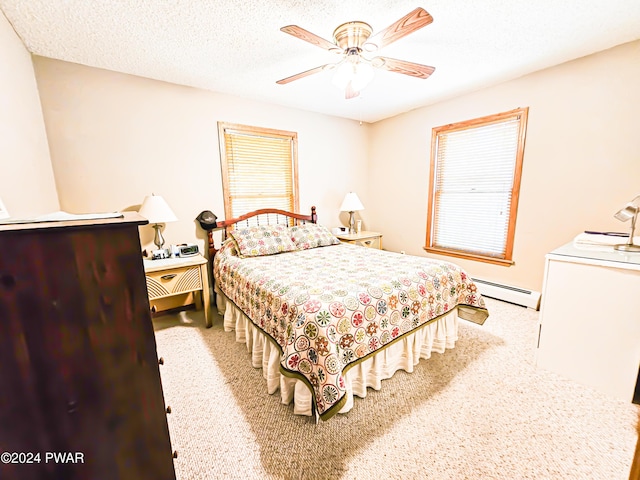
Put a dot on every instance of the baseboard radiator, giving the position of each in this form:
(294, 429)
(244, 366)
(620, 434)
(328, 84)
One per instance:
(507, 293)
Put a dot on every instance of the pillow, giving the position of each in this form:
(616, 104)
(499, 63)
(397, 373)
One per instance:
(263, 240)
(311, 235)
(230, 247)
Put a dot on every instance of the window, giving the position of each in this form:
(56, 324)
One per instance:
(474, 186)
(259, 169)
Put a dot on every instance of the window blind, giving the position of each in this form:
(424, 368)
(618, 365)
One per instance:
(258, 170)
(474, 187)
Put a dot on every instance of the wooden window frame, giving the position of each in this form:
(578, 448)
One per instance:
(225, 127)
(522, 114)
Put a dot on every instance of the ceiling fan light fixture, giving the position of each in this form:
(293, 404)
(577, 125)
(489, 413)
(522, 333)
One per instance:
(358, 73)
(363, 76)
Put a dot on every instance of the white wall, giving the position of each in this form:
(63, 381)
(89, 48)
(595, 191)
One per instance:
(27, 185)
(115, 138)
(581, 161)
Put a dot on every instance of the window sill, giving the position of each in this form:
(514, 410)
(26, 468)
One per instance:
(470, 256)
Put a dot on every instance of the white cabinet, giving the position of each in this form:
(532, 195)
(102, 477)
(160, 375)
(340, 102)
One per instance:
(590, 318)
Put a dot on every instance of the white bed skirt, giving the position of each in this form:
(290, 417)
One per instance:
(402, 355)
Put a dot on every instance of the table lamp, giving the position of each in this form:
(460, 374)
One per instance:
(629, 212)
(157, 211)
(351, 204)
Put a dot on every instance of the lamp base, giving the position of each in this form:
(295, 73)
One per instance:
(352, 223)
(158, 239)
(625, 247)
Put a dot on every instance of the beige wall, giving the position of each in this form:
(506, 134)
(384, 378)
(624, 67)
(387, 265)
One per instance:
(581, 163)
(115, 138)
(27, 185)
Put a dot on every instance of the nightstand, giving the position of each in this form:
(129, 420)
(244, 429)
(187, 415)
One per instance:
(363, 239)
(571, 319)
(170, 277)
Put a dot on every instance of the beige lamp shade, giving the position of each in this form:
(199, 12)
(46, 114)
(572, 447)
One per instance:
(351, 203)
(155, 209)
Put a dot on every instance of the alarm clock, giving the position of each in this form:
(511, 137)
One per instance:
(187, 249)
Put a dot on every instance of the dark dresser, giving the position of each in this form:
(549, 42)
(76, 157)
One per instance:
(80, 389)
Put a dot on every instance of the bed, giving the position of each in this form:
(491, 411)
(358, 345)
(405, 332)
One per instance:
(326, 320)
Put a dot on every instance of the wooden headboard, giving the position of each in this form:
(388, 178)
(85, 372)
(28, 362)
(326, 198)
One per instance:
(265, 216)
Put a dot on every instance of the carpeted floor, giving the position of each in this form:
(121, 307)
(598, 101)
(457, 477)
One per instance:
(479, 411)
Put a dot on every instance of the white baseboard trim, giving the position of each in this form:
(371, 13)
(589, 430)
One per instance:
(507, 293)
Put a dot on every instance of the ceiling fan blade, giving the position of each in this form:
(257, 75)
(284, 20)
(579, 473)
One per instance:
(404, 67)
(312, 38)
(409, 23)
(302, 74)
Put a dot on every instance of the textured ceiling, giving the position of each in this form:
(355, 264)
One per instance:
(236, 47)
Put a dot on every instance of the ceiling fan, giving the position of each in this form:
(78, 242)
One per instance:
(351, 40)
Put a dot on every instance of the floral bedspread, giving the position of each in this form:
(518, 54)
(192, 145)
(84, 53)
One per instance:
(331, 306)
